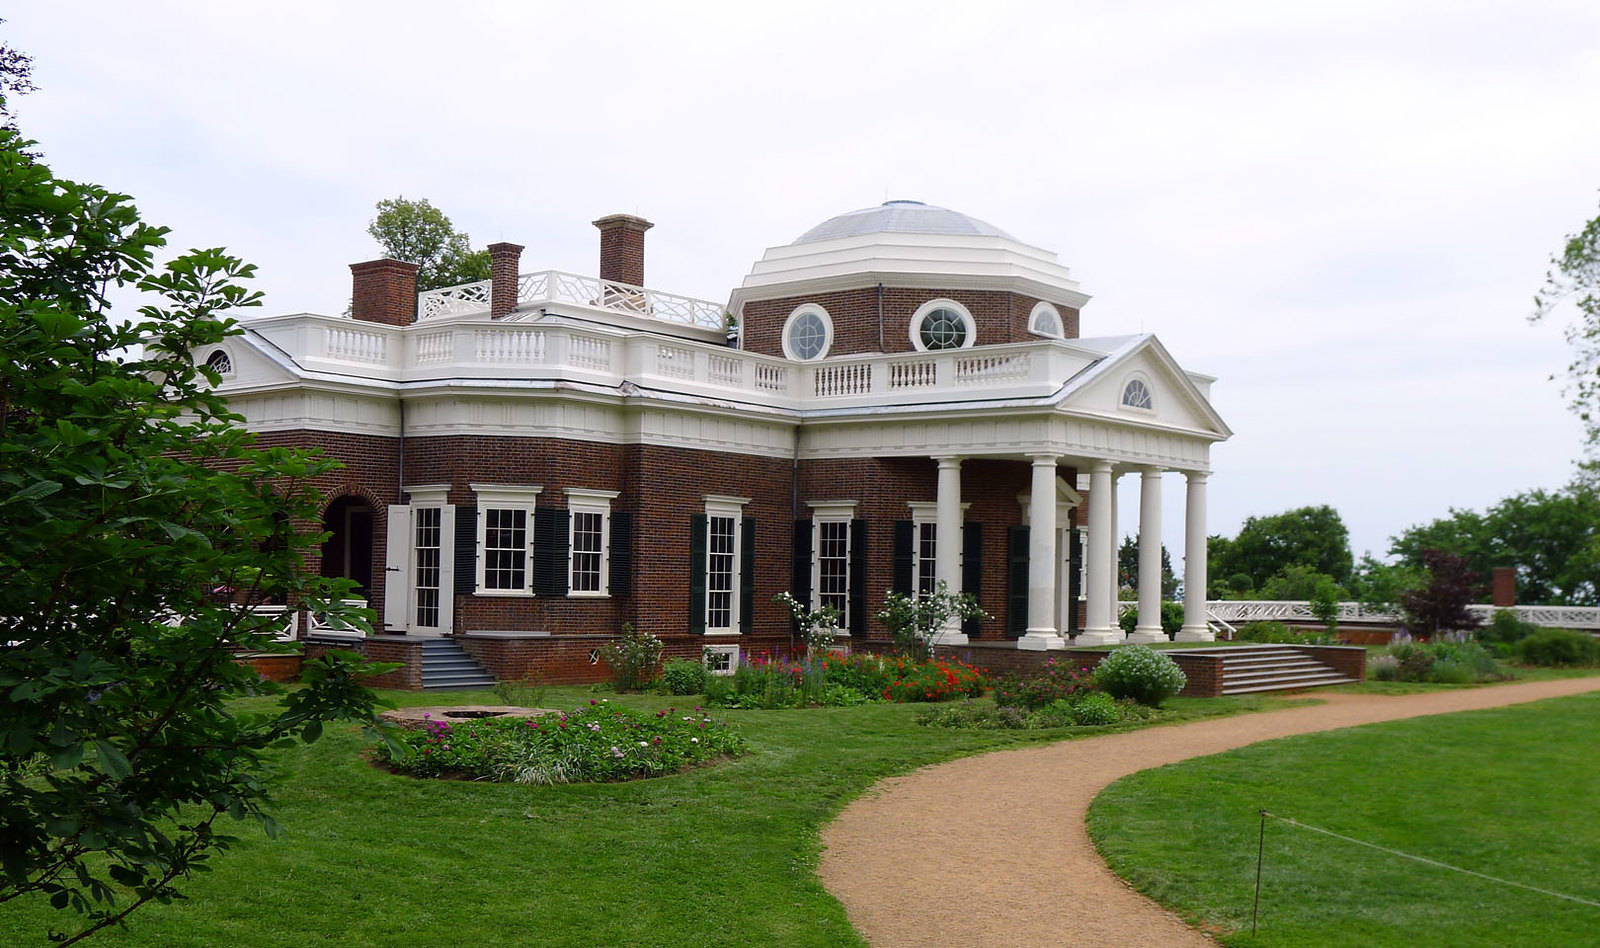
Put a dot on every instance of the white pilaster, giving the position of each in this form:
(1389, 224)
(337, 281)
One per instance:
(1195, 627)
(1098, 628)
(947, 543)
(1149, 625)
(1042, 634)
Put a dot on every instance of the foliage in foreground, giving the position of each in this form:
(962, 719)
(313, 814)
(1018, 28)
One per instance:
(1454, 659)
(595, 743)
(1085, 709)
(835, 680)
(1141, 673)
(1558, 648)
(1187, 834)
(140, 526)
(1273, 632)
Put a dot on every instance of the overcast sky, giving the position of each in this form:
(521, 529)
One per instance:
(1341, 210)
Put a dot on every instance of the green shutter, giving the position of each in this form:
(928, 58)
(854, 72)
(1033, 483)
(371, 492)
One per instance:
(466, 550)
(747, 576)
(972, 572)
(1074, 569)
(905, 536)
(1017, 575)
(620, 570)
(800, 563)
(697, 574)
(858, 577)
(551, 538)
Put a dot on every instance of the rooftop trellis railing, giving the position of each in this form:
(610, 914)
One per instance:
(557, 286)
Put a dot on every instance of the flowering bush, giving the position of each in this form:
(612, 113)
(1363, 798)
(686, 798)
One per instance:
(932, 681)
(1091, 709)
(1055, 681)
(1140, 673)
(915, 621)
(633, 658)
(1455, 658)
(589, 744)
(832, 680)
(819, 627)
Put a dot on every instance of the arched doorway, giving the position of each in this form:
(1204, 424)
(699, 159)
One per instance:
(348, 550)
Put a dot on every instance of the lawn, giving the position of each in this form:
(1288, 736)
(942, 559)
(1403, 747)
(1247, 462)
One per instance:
(720, 856)
(1509, 792)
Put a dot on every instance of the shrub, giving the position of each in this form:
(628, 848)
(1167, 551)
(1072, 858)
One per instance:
(1453, 660)
(633, 658)
(683, 677)
(1056, 680)
(1140, 673)
(1558, 647)
(1383, 668)
(1505, 629)
(933, 681)
(519, 694)
(914, 621)
(1095, 708)
(1274, 632)
(1171, 617)
(594, 743)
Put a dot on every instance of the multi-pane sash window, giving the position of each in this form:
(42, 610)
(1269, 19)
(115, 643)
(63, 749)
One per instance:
(426, 551)
(722, 535)
(588, 552)
(924, 561)
(833, 567)
(505, 548)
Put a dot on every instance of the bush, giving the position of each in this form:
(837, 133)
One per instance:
(594, 743)
(1140, 673)
(1053, 682)
(1274, 632)
(683, 677)
(1505, 629)
(1453, 660)
(933, 681)
(1171, 617)
(1558, 647)
(633, 658)
(1095, 708)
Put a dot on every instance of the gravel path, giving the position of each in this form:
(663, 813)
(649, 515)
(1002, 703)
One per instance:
(992, 850)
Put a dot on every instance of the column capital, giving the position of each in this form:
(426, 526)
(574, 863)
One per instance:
(1045, 459)
(1101, 466)
(947, 459)
(1197, 477)
(1151, 469)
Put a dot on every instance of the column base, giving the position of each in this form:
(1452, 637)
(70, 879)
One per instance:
(1099, 637)
(1041, 640)
(1192, 634)
(1146, 636)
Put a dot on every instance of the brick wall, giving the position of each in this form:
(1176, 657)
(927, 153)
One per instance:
(408, 652)
(276, 667)
(1000, 317)
(384, 291)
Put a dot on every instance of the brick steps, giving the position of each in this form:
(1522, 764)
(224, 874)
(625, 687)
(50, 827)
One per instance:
(445, 665)
(1247, 669)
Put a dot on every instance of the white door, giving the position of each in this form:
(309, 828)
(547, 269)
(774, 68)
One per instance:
(419, 594)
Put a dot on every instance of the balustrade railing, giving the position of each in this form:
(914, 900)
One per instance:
(556, 286)
(1235, 611)
(319, 625)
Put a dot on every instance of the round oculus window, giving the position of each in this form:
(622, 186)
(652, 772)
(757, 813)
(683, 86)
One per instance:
(808, 335)
(942, 329)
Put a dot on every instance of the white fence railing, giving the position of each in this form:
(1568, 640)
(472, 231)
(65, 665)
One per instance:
(1235, 611)
(557, 286)
(281, 624)
(318, 625)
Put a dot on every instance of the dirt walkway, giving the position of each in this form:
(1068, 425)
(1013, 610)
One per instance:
(992, 850)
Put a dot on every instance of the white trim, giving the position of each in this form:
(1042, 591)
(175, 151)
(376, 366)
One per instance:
(724, 502)
(732, 651)
(827, 332)
(833, 509)
(967, 322)
(1040, 310)
(233, 363)
(513, 498)
(1149, 390)
(832, 512)
(583, 501)
(427, 495)
(925, 513)
(724, 506)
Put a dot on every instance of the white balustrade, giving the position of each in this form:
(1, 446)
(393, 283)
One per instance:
(435, 347)
(724, 369)
(355, 345)
(675, 362)
(1235, 611)
(555, 286)
(589, 352)
(913, 373)
(844, 378)
(454, 300)
(992, 369)
(508, 346)
(772, 378)
(278, 622)
(318, 624)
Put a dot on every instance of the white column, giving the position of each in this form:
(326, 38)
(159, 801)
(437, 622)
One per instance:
(1098, 628)
(1114, 576)
(1042, 634)
(1195, 628)
(947, 542)
(1149, 625)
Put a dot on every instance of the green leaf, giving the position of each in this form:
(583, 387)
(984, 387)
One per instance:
(112, 761)
(312, 732)
(34, 491)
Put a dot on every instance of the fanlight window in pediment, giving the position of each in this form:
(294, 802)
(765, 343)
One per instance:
(1136, 394)
(220, 362)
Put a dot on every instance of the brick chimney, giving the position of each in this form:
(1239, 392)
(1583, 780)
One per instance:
(503, 261)
(384, 291)
(622, 248)
(1505, 587)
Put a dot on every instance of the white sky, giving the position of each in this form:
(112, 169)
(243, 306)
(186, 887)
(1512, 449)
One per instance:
(1342, 210)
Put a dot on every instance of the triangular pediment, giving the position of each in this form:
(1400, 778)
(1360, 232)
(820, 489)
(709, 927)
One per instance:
(1139, 383)
(251, 363)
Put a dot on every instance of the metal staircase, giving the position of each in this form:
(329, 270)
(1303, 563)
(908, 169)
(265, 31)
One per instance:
(446, 665)
(1251, 668)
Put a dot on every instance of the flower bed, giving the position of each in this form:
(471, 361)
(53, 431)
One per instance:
(838, 680)
(597, 743)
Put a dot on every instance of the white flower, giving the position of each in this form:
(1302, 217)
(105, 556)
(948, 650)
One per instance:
(694, 740)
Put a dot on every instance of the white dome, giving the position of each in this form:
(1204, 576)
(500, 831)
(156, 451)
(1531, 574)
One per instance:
(901, 217)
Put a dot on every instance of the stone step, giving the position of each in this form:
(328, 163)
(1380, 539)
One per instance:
(1334, 679)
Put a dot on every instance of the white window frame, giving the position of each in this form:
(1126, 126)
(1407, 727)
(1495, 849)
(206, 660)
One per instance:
(731, 652)
(226, 353)
(718, 505)
(833, 512)
(581, 501)
(1150, 391)
(827, 332)
(505, 497)
(927, 513)
(1042, 309)
(967, 321)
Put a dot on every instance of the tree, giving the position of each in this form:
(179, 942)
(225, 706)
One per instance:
(1379, 586)
(915, 621)
(1128, 568)
(1441, 605)
(1574, 275)
(1313, 537)
(1551, 538)
(417, 232)
(129, 495)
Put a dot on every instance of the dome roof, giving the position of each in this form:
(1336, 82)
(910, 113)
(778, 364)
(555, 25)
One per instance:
(900, 217)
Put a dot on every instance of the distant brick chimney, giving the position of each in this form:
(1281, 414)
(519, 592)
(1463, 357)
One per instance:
(1505, 587)
(622, 248)
(503, 261)
(384, 291)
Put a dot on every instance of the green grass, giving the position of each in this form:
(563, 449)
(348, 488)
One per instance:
(720, 856)
(1509, 792)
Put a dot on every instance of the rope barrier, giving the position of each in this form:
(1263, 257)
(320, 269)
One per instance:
(1422, 859)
